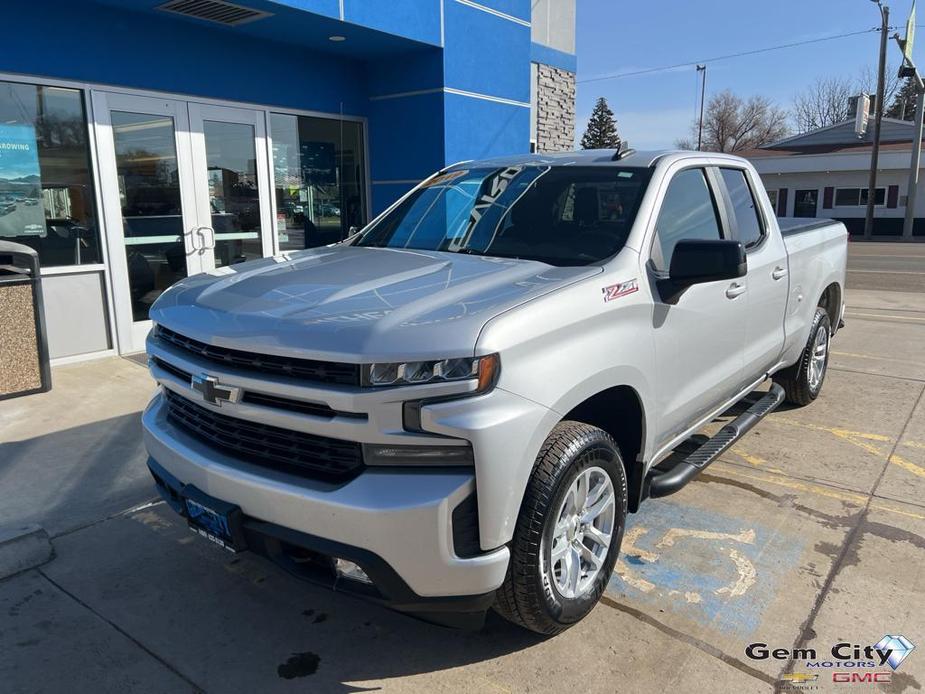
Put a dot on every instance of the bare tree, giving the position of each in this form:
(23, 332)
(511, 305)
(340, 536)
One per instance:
(823, 103)
(732, 124)
(867, 82)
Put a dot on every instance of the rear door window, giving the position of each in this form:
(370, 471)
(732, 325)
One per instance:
(749, 229)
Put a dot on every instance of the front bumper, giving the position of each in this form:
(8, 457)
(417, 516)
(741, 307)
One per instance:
(395, 523)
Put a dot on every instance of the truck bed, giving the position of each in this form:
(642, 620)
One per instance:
(797, 225)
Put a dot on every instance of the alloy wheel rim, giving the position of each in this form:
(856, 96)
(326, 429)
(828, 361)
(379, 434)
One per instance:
(820, 355)
(583, 531)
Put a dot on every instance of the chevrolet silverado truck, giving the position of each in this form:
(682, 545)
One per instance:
(456, 407)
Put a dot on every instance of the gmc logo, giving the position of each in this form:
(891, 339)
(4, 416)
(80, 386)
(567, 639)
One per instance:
(866, 677)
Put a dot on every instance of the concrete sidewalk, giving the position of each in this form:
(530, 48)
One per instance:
(808, 532)
(73, 456)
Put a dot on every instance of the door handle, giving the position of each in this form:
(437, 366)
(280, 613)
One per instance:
(193, 235)
(734, 290)
(779, 273)
(208, 244)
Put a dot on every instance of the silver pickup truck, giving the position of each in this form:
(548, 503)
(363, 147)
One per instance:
(455, 408)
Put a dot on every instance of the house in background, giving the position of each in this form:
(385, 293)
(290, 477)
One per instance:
(824, 173)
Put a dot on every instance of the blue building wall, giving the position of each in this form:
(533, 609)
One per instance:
(438, 80)
(155, 51)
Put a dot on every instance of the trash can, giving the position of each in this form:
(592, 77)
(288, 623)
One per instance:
(24, 364)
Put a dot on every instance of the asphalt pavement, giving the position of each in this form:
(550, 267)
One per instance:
(893, 266)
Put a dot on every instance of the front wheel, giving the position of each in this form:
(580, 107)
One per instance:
(802, 382)
(569, 530)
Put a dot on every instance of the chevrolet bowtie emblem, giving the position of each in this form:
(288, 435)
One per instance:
(799, 677)
(212, 391)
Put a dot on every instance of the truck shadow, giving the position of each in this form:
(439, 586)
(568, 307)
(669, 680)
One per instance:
(75, 476)
(394, 646)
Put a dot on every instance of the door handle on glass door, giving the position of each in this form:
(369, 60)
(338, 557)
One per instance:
(207, 244)
(779, 273)
(734, 290)
(193, 235)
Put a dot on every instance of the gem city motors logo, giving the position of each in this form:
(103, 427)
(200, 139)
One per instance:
(849, 663)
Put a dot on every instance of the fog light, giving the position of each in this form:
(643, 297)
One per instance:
(348, 569)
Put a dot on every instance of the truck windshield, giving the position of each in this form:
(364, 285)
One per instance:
(560, 215)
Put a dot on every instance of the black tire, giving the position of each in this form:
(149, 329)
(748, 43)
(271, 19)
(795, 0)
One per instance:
(528, 597)
(795, 380)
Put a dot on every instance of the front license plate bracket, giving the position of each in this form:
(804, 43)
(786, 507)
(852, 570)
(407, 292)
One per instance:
(218, 521)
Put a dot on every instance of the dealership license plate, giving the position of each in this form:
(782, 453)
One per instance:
(215, 520)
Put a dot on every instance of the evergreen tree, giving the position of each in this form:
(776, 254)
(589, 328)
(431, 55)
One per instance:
(601, 132)
(903, 106)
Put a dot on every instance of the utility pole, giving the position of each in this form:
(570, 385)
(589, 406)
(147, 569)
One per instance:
(878, 118)
(909, 70)
(703, 93)
(916, 159)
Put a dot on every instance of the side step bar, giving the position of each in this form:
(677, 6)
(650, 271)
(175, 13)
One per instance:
(673, 480)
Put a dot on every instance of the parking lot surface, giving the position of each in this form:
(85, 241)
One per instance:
(808, 533)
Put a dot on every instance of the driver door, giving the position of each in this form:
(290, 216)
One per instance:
(699, 339)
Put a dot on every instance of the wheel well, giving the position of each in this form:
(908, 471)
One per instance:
(618, 411)
(831, 302)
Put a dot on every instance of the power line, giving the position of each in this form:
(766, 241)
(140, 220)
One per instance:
(690, 63)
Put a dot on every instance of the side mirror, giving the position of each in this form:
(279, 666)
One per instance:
(697, 261)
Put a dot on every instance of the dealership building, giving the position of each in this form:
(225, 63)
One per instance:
(142, 141)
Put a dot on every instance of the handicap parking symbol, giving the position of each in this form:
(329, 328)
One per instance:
(714, 569)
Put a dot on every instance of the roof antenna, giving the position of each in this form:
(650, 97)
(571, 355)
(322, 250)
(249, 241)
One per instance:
(623, 151)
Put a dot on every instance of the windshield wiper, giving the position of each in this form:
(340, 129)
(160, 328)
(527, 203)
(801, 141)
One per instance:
(468, 250)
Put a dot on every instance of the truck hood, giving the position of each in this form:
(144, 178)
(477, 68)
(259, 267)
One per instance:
(345, 303)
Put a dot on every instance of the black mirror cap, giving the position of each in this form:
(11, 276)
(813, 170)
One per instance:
(697, 261)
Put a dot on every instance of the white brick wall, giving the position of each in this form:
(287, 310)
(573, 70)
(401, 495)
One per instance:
(555, 109)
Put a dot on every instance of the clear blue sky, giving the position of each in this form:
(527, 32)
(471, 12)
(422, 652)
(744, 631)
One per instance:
(654, 110)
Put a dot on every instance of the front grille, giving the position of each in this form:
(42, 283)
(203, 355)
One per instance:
(274, 401)
(305, 369)
(295, 452)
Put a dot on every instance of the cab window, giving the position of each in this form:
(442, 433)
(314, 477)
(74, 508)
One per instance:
(749, 229)
(688, 212)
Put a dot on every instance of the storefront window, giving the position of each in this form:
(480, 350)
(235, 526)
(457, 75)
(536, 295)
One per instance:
(46, 188)
(320, 177)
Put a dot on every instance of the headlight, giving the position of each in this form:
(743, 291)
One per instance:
(483, 369)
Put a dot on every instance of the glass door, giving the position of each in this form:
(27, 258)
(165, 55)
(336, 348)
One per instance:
(229, 150)
(185, 190)
(149, 204)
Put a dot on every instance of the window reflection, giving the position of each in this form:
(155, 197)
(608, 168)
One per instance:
(320, 179)
(234, 197)
(46, 189)
(152, 218)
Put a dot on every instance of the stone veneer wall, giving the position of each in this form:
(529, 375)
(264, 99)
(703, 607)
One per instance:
(555, 109)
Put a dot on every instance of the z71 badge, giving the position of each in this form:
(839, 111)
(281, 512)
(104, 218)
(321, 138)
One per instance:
(615, 291)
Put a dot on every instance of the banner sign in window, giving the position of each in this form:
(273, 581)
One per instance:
(21, 211)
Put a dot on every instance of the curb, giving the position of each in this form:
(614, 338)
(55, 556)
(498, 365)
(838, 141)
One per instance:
(23, 547)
